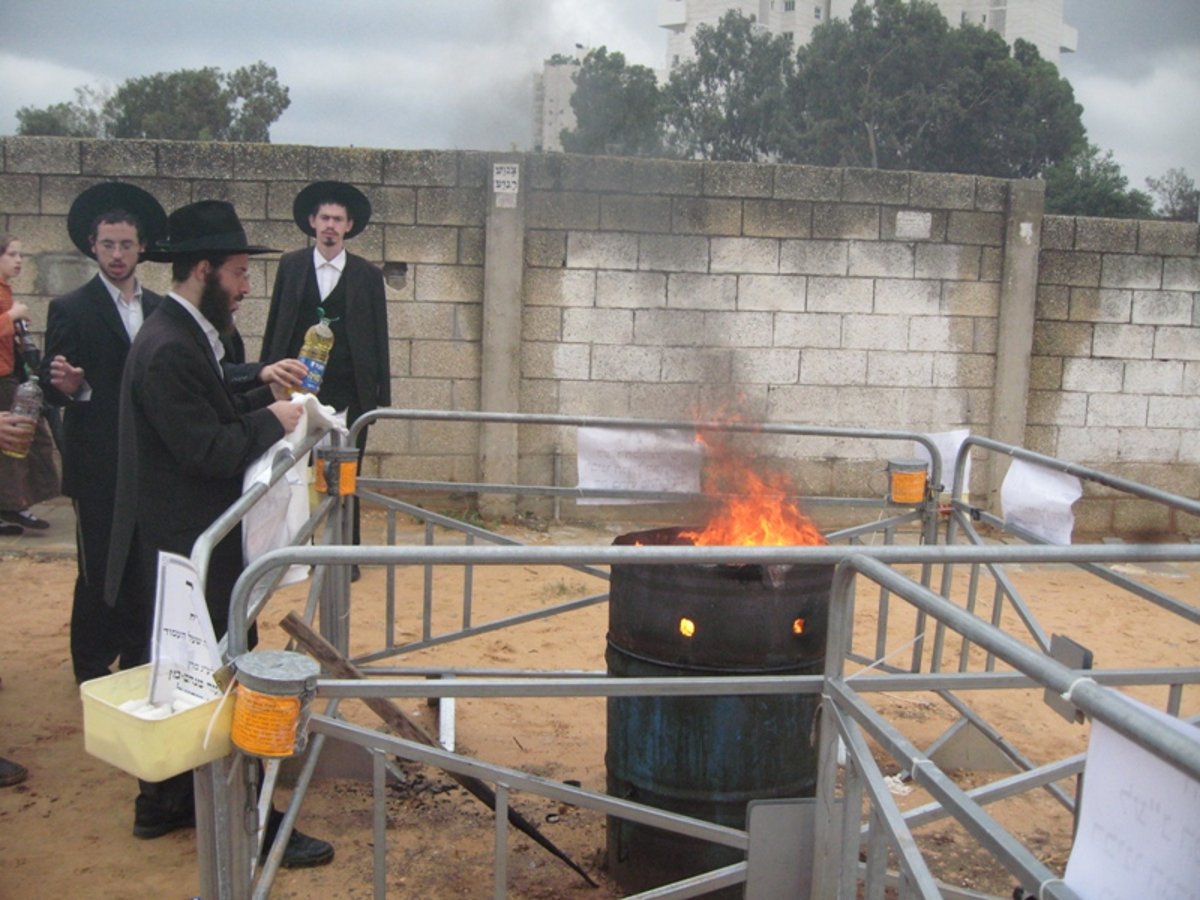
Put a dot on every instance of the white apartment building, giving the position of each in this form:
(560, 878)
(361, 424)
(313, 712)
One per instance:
(552, 112)
(1038, 21)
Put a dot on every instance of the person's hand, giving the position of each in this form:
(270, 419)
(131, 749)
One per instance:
(19, 311)
(16, 433)
(65, 377)
(287, 373)
(288, 414)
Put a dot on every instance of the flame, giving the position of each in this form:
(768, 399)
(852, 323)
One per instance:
(757, 508)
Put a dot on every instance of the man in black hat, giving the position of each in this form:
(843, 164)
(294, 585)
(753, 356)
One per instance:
(88, 333)
(185, 440)
(349, 290)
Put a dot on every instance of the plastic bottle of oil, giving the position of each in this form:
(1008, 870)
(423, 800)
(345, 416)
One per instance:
(318, 341)
(27, 403)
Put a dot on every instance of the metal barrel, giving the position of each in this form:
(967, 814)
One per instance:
(707, 757)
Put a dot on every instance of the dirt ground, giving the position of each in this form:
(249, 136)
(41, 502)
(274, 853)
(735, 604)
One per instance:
(65, 832)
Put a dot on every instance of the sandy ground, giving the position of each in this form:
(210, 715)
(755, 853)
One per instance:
(66, 831)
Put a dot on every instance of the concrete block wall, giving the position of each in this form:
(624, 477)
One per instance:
(1116, 362)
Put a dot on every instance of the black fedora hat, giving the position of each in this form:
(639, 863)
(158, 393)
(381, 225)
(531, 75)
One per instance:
(203, 228)
(358, 207)
(109, 196)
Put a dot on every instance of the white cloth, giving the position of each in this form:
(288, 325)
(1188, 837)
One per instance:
(329, 271)
(275, 519)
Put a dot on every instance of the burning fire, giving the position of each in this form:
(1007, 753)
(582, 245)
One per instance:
(757, 509)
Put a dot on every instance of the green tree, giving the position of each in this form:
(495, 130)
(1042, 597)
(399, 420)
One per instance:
(187, 105)
(895, 87)
(616, 108)
(1088, 183)
(1176, 196)
(723, 104)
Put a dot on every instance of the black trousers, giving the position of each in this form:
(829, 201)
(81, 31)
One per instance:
(100, 634)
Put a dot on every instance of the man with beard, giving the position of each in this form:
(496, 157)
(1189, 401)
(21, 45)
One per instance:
(185, 440)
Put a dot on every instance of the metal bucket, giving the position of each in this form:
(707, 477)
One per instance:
(707, 757)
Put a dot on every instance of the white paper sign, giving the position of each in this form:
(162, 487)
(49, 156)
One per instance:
(1139, 823)
(637, 459)
(185, 652)
(948, 443)
(1039, 500)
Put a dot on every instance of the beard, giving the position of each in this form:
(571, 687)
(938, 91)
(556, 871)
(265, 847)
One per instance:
(215, 303)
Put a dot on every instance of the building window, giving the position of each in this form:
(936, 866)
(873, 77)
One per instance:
(789, 36)
(789, 5)
(817, 13)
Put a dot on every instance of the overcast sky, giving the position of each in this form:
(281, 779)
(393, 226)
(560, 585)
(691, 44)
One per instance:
(426, 75)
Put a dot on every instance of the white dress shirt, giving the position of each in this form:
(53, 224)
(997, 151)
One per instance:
(214, 339)
(130, 310)
(328, 271)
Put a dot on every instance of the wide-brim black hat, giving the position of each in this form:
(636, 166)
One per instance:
(109, 196)
(358, 207)
(203, 228)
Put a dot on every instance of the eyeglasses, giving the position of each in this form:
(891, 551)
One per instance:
(110, 246)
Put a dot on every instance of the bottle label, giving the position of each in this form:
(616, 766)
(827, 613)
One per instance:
(316, 373)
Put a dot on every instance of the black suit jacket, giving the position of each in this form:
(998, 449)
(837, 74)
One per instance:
(366, 321)
(185, 443)
(85, 328)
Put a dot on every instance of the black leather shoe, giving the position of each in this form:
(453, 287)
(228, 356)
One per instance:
(147, 827)
(303, 852)
(14, 773)
(25, 519)
(7, 530)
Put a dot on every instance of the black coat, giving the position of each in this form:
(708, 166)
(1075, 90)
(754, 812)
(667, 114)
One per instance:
(85, 328)
(185, 443)
(295, 295)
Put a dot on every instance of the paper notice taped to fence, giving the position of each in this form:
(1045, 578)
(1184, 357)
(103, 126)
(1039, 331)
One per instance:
(637, 459)
(1039, 500)
(184, 652)
(1139, 822)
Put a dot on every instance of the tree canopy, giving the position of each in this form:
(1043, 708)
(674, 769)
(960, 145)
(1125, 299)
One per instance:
(1176, 196)
(187, 105)
(1090, 183)
(616, 108)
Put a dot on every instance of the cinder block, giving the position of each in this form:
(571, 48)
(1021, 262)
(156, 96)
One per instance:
(444, 359)
(1168, 238)
(1176, 343)
(1116, 411)
(555, 360)
(738, 329)
(971, 298)
(991, 264)
(1059, 267)
(1054, 301)
(1172, 412)
(744, 255)
(559, 287)
(845, 295)
(632, 290)
(1123, 341)
(814, 257)
(566, 209)
(771, 292)
(703, 215)
(912, 224)
(423, 321)
(689, 291)
(1101, 305)
(1093, 375)
(19, 194)
(875, 186)
(991, 194)
(1056, 408)
(875, 332)
(1062, 338)
(701, 365)
(975, 228)
(1154, 377)
(457, 284)
(418, 393)
(777, 218)
(942, 334)
(1133, 517)
(450, 206)
(1106, 235)
(964, 370)
(357, 165)
(471, 249)
(632, 212)
(811, 330)
(613, 174)
(766, 366)
(891, 369)
(673, 253)
(420, 244)
(601, 326)
(541, 323)
(42, 155)
(1125, 271)
(669, 327)
(1058, 233)
(947, 261)
(195, 159)
(738, 179)
(249, 198)
(626, 363)
(546, 248)
(1045, 373)
(602, 250)
(833, 367)
(270, 161)
(842, 220)
(121, 159)
(1162, 307)
(40, 234)
(942, 191)
(875, 258)
(665, 401)
(1181, 274)
(807, 183)
(420, 168)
